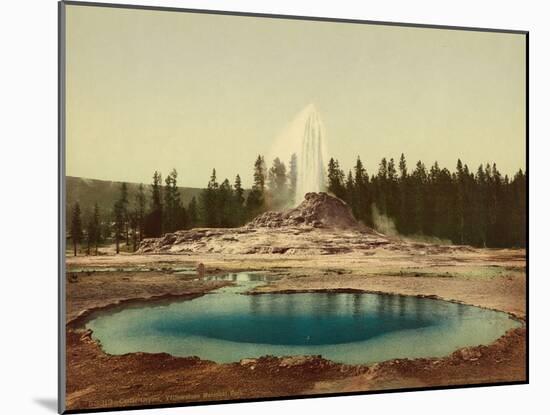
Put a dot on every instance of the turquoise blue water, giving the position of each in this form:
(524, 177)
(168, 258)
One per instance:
(226, 326)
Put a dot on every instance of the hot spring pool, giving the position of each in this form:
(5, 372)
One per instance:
(226, 326)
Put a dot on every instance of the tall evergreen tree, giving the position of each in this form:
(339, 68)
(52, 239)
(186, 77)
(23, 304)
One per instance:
(336, 178)
(361, 201)
(168, 210)
(93, 230)
(174, 217)
(193, 212)
(239, 191)
(419, 179)
(97, 228)
(518, 210)
(350, 190)
(76, 227)
(153, 226)
(209, 203)
(259, 174)
(226, 202)
(156, 191)
(140, 211)
(277, 181)
(405, 215)
(392, 190)
(461, 200)
(255, 202)
(133, 226)
(238, 204)
(403, 167)
(481, 214)
(119, 223)
(125, 210)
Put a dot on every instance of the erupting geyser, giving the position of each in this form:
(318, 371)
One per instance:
(311, 163)
(305, 137)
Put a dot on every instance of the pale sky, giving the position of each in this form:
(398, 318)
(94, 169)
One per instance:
(153, 90)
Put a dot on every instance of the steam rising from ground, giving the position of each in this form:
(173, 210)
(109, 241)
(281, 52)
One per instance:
(383, 223)
(386, 225)
(305, 137)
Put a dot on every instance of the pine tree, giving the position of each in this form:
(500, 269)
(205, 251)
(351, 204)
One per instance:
(119, 223)
(403, 167)
(76, 227)
(168, 206)
(419, 181)
(392, 198)
(350, 190)
(238, 204)
(125, 210)
(260, 174)
(209, 203)
(481, 214)
(239, 191)
(89, 236)
(255, 202)
(156, 191)
(133, 225)
(93, 230)
(431, 211)
(336, 179)
(468, 211)
(498, 229)
(405, 216)
(97, 228)
(153, 226)
(193, 212)
(174, 213)
(361, 194)
(461, 198)
(444, 203)
(518, 214)
(226, 200)
(277, 181)
(140, 211)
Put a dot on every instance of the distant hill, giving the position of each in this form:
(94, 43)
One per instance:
(89, 191)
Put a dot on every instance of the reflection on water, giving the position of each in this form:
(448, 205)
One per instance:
(227, 326)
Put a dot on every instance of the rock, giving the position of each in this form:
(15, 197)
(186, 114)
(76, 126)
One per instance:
(317, 210)
(469, 354)
(168, 239)
(320, 225)
(292, 361)
(86, 336)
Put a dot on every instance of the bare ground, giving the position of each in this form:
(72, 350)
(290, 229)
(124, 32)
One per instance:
(488, 278)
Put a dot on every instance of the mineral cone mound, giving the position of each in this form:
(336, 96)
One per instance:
(317, 210)
(321, 224)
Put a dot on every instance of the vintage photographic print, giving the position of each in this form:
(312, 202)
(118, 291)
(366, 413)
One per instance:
(258, 207)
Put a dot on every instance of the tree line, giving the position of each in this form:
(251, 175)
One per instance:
(481, 208)
(225, 204)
